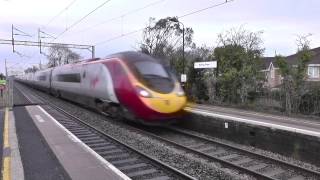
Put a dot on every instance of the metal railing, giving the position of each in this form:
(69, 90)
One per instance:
(7, 99)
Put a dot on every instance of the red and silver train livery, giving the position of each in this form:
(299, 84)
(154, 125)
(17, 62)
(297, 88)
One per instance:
(129, 84)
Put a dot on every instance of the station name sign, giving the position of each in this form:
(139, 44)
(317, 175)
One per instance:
(207, 64)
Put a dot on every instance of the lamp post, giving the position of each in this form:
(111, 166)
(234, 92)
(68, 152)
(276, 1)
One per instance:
(176, 20)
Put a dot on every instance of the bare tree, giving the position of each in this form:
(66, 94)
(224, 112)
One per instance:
(59, 55)
(2, 76)
(31, 69)
(163, 37)
(239, 62)
(293, 83)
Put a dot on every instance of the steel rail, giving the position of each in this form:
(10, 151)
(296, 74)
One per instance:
(256, 155)
(249, 152)
(156, 161)
(253, 173)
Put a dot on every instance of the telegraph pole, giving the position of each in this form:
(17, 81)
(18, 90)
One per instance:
(40, 43)
(46, 44)
(39, 39)
(12, 38)
(5, 65)
(92, 52)
(183, 75)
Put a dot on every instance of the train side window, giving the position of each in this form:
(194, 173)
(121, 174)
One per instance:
(42, 78)
(75, 78)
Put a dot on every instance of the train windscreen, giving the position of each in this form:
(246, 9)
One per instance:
(154, 76)
(151, 69)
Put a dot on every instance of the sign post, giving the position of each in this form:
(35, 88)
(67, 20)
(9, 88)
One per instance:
(183, 78)
(207, 65)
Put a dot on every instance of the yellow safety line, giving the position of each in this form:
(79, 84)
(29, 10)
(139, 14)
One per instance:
(6, 160)
(6, 169)
(5, 132)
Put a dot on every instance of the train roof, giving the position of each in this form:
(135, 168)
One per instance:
(128, 56)
(132, 56)
(89, 60)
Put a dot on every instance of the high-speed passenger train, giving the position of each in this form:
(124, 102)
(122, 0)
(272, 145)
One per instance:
(130, 84)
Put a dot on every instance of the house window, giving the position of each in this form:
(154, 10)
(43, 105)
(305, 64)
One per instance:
(313, 72)
(272, 73)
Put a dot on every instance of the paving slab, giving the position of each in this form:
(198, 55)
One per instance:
(1, 136)
(39, 162)
(17, 172)
(78, 160)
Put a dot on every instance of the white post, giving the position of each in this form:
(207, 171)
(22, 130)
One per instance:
(5, 65)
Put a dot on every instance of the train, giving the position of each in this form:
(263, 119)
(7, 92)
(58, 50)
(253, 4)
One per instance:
(130, 85)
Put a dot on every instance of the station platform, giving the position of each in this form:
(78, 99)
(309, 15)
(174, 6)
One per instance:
(297, 125)
(37, 147)
(293, 137)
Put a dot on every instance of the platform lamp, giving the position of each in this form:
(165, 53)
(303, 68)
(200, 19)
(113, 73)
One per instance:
(177, 21)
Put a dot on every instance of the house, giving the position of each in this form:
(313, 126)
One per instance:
(273, 76)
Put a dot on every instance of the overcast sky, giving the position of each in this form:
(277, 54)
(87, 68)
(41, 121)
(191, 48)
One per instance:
(280, 20)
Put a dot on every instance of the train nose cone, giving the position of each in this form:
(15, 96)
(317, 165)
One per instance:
(167, 102)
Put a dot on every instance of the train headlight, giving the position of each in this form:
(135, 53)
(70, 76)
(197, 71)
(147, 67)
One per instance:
(180, 92)
(144, 93)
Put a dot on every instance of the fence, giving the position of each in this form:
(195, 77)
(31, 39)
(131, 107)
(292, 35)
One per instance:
(7, 98)
(274, 102)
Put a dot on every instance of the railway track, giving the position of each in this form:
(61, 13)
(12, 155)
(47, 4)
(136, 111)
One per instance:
(256, 165)
(132, 162)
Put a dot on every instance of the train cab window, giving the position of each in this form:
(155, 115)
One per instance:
(154, 76)
(75, 78)
(146, 68)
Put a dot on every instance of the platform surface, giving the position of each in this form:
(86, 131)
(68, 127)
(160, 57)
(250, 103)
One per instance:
(78, 160)
(38, 159)
(1, 136)
(298, 125)
(40, 148)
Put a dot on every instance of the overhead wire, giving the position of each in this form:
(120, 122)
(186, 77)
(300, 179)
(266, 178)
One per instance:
(182, 16)
(23, 33)
(203, 9)
(21, 55)
(48, 35)
(43, 26)
(117, 37)
(81, 19)
(64, 9)
(121, 16)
